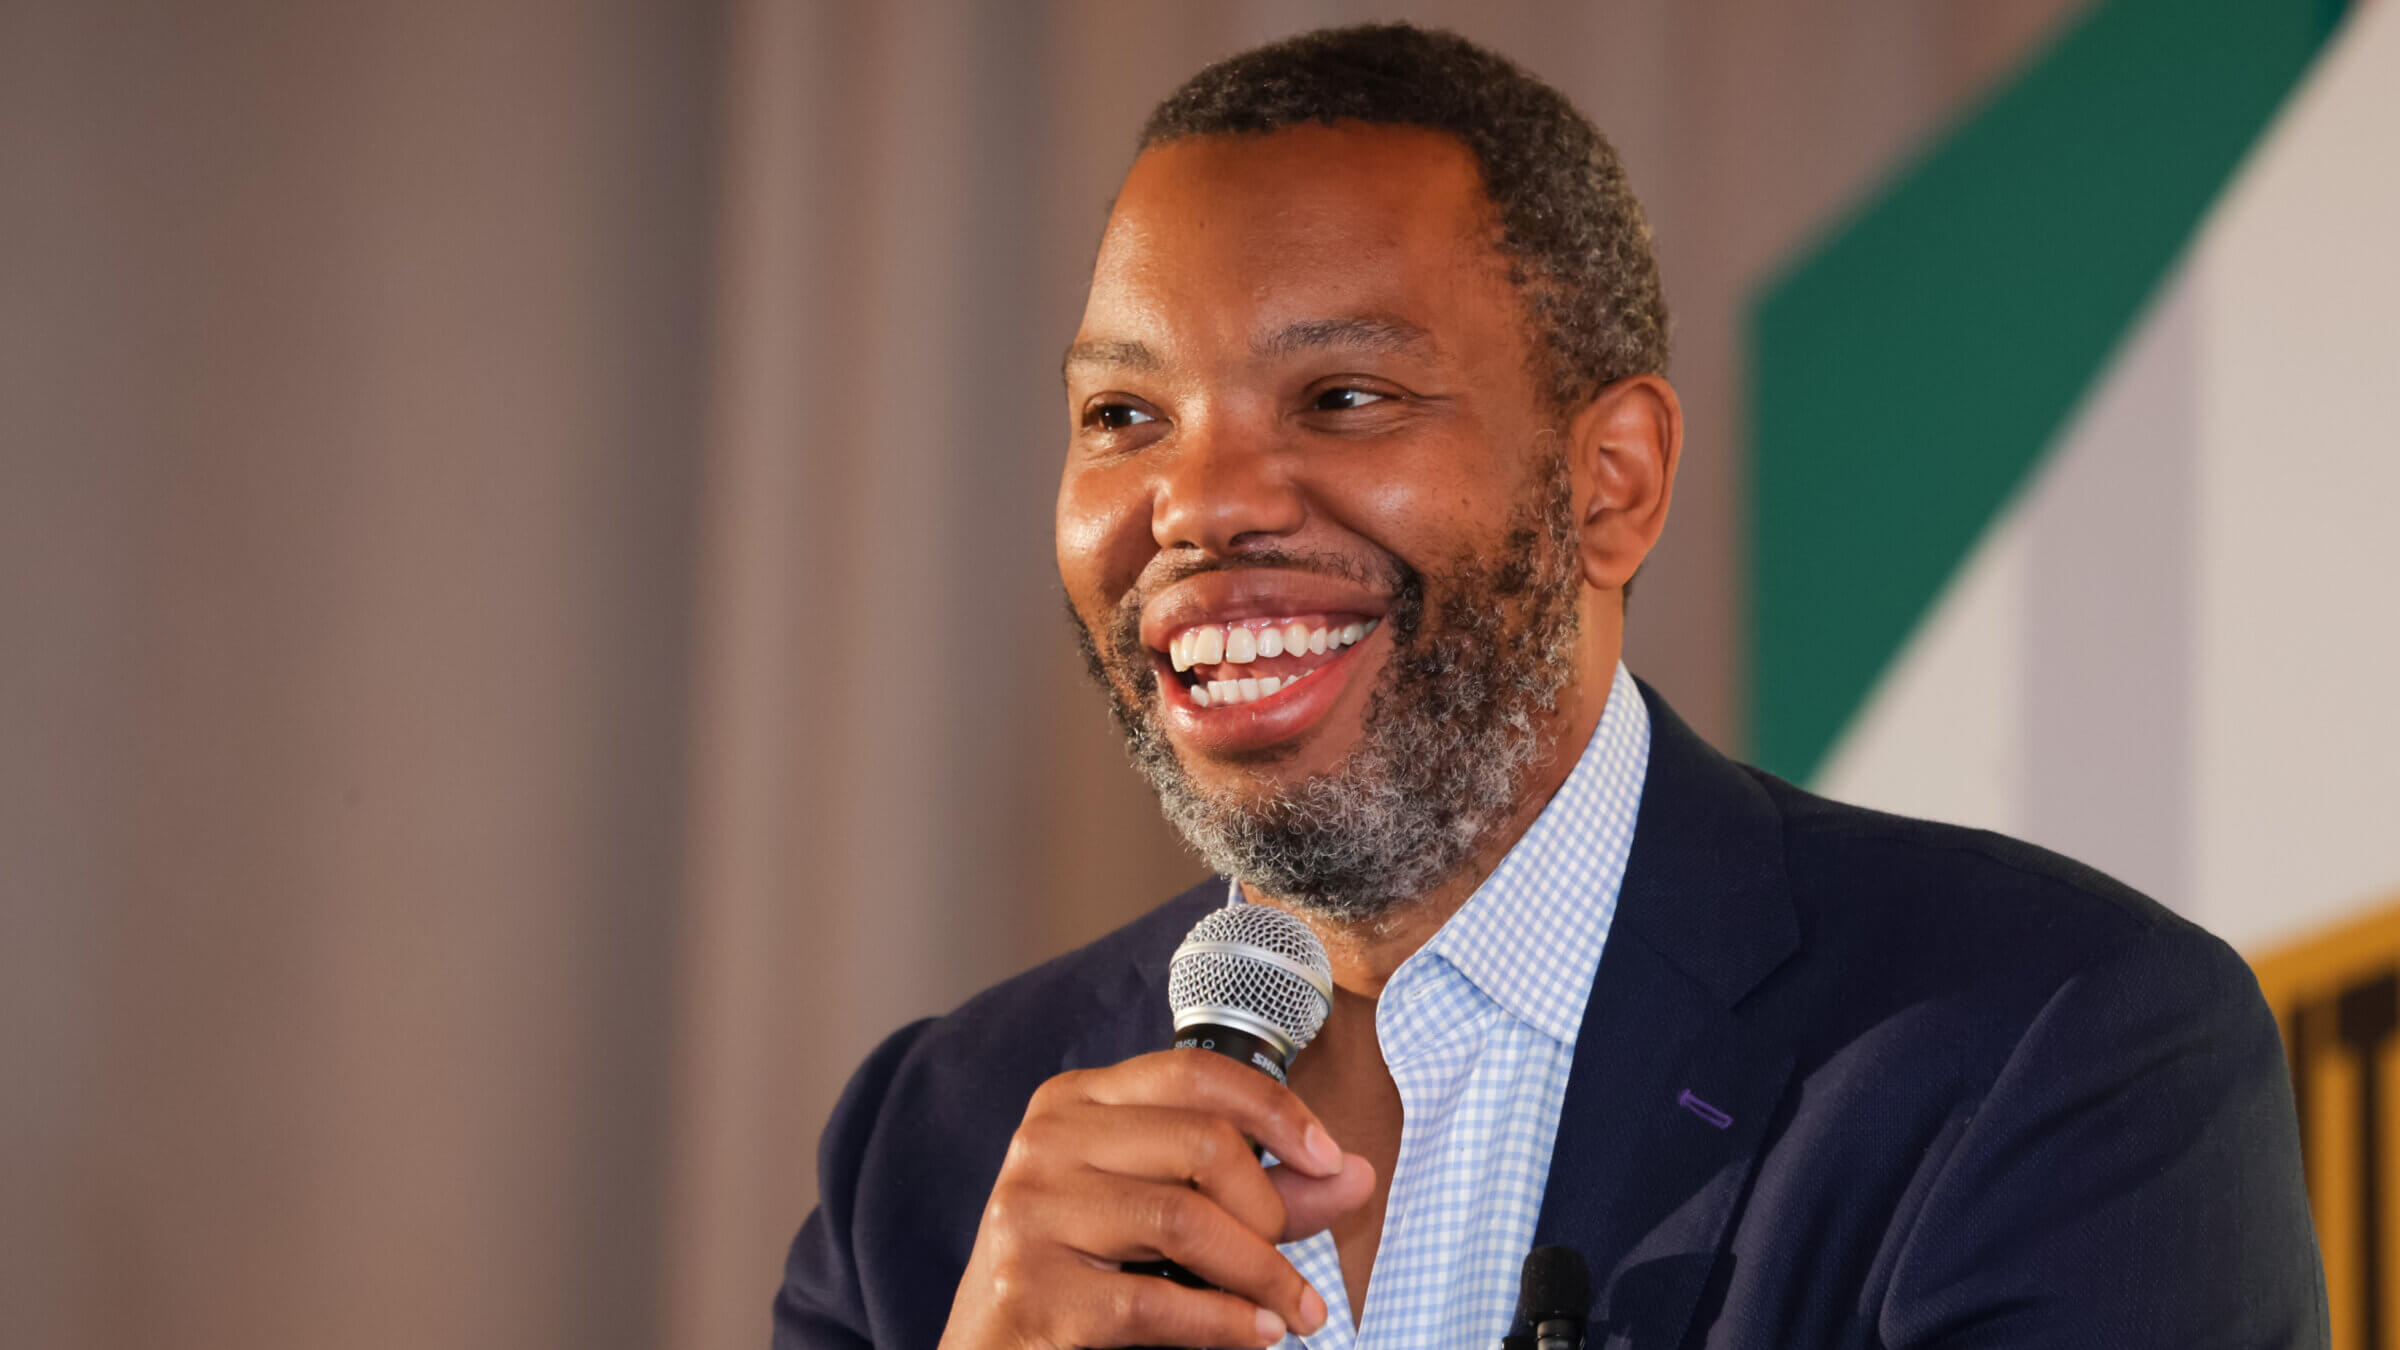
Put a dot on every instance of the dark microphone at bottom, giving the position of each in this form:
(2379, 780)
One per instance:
(1251, 983)
(1554, 1301)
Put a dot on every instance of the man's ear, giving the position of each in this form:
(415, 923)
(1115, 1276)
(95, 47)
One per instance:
(1625, 445)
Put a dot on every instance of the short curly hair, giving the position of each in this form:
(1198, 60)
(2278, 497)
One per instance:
(1577, 243)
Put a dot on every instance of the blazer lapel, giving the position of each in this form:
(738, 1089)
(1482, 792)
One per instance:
(1672, 1088)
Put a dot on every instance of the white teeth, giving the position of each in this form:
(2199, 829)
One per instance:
(1232, 644)
(1225, 693)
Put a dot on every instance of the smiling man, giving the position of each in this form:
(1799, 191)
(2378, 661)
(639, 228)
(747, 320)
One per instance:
(1369, 432)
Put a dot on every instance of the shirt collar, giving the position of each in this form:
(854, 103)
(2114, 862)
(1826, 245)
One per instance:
(1529, 938)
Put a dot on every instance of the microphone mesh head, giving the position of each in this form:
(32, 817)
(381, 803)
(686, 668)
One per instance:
(1242, 975)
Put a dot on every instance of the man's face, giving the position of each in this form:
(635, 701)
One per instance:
(1315, 520)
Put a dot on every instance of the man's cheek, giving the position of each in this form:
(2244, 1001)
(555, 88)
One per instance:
(1103, 539)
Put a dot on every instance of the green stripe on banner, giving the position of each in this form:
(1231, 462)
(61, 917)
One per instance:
(1908, 373)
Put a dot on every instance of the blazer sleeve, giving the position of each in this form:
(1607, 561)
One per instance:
(822, 1305)
(2132, 1179)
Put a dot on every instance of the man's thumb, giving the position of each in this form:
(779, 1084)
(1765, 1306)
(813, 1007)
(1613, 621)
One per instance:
(1311, 1204)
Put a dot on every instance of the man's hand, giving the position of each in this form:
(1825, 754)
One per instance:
(1148, 1159)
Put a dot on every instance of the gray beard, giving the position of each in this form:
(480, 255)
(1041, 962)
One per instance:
(1453, 731)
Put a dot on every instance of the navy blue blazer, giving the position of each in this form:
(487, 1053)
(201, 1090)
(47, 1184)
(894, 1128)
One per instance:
(1844, 1079)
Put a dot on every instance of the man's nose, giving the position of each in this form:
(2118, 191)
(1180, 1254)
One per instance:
(1223, 489)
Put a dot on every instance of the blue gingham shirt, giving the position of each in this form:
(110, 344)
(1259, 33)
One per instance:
(1478, 1028)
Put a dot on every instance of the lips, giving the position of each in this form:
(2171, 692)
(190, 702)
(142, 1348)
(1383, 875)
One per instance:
(1250, 657)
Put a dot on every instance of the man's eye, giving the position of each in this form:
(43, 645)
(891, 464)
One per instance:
(1116, 416)
(1344, 398)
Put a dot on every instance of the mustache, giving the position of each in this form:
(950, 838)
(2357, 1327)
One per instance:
(1166, 569)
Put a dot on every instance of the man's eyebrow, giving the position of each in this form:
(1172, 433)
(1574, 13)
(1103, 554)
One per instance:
(1382, 335)
(1371, 334)
(1110, 352)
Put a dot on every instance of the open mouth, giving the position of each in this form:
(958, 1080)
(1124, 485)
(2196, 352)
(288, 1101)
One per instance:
(1222, 665)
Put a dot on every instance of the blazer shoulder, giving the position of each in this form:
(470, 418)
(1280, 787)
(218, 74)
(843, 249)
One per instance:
(912, 1148)
(1097, 1004)
(1971, 898)
(1107, 977)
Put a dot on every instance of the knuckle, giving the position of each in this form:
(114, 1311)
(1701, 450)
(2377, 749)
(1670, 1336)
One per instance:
(1006, 1285)
(1038, 1138)
(1137, 1303)
(1174, 1218)
(1221, 1148)
(1051, 1093)
(1022, 1151)
(1206, 1144)
(1006, 1210)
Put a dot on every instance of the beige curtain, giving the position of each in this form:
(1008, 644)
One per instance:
(527, 637)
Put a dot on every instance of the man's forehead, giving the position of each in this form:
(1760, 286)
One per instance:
(1300, 239)
(1286, 181)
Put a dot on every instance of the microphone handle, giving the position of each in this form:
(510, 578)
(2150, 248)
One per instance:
(1167, 1270)
(1234, 1044)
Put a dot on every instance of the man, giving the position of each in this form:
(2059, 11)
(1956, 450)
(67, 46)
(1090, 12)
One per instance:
(1369, 436)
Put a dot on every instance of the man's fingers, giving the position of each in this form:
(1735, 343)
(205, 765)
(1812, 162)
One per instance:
(1148, 1159)
(1146, 1310)
(1266, 1110)
(1311, 1204)
(1163, 1143)
(1119, 1219)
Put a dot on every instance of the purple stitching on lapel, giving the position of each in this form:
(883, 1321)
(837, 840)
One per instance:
(1703, 1110)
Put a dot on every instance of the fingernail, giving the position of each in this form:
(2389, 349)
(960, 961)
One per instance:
(1320, 1149)
(1270, 1327)
(1312, 1312)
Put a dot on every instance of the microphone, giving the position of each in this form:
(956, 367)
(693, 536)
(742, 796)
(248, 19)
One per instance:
(1251, 983)
(1554, 1301)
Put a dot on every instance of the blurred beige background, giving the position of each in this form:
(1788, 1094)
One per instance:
(527, 631)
